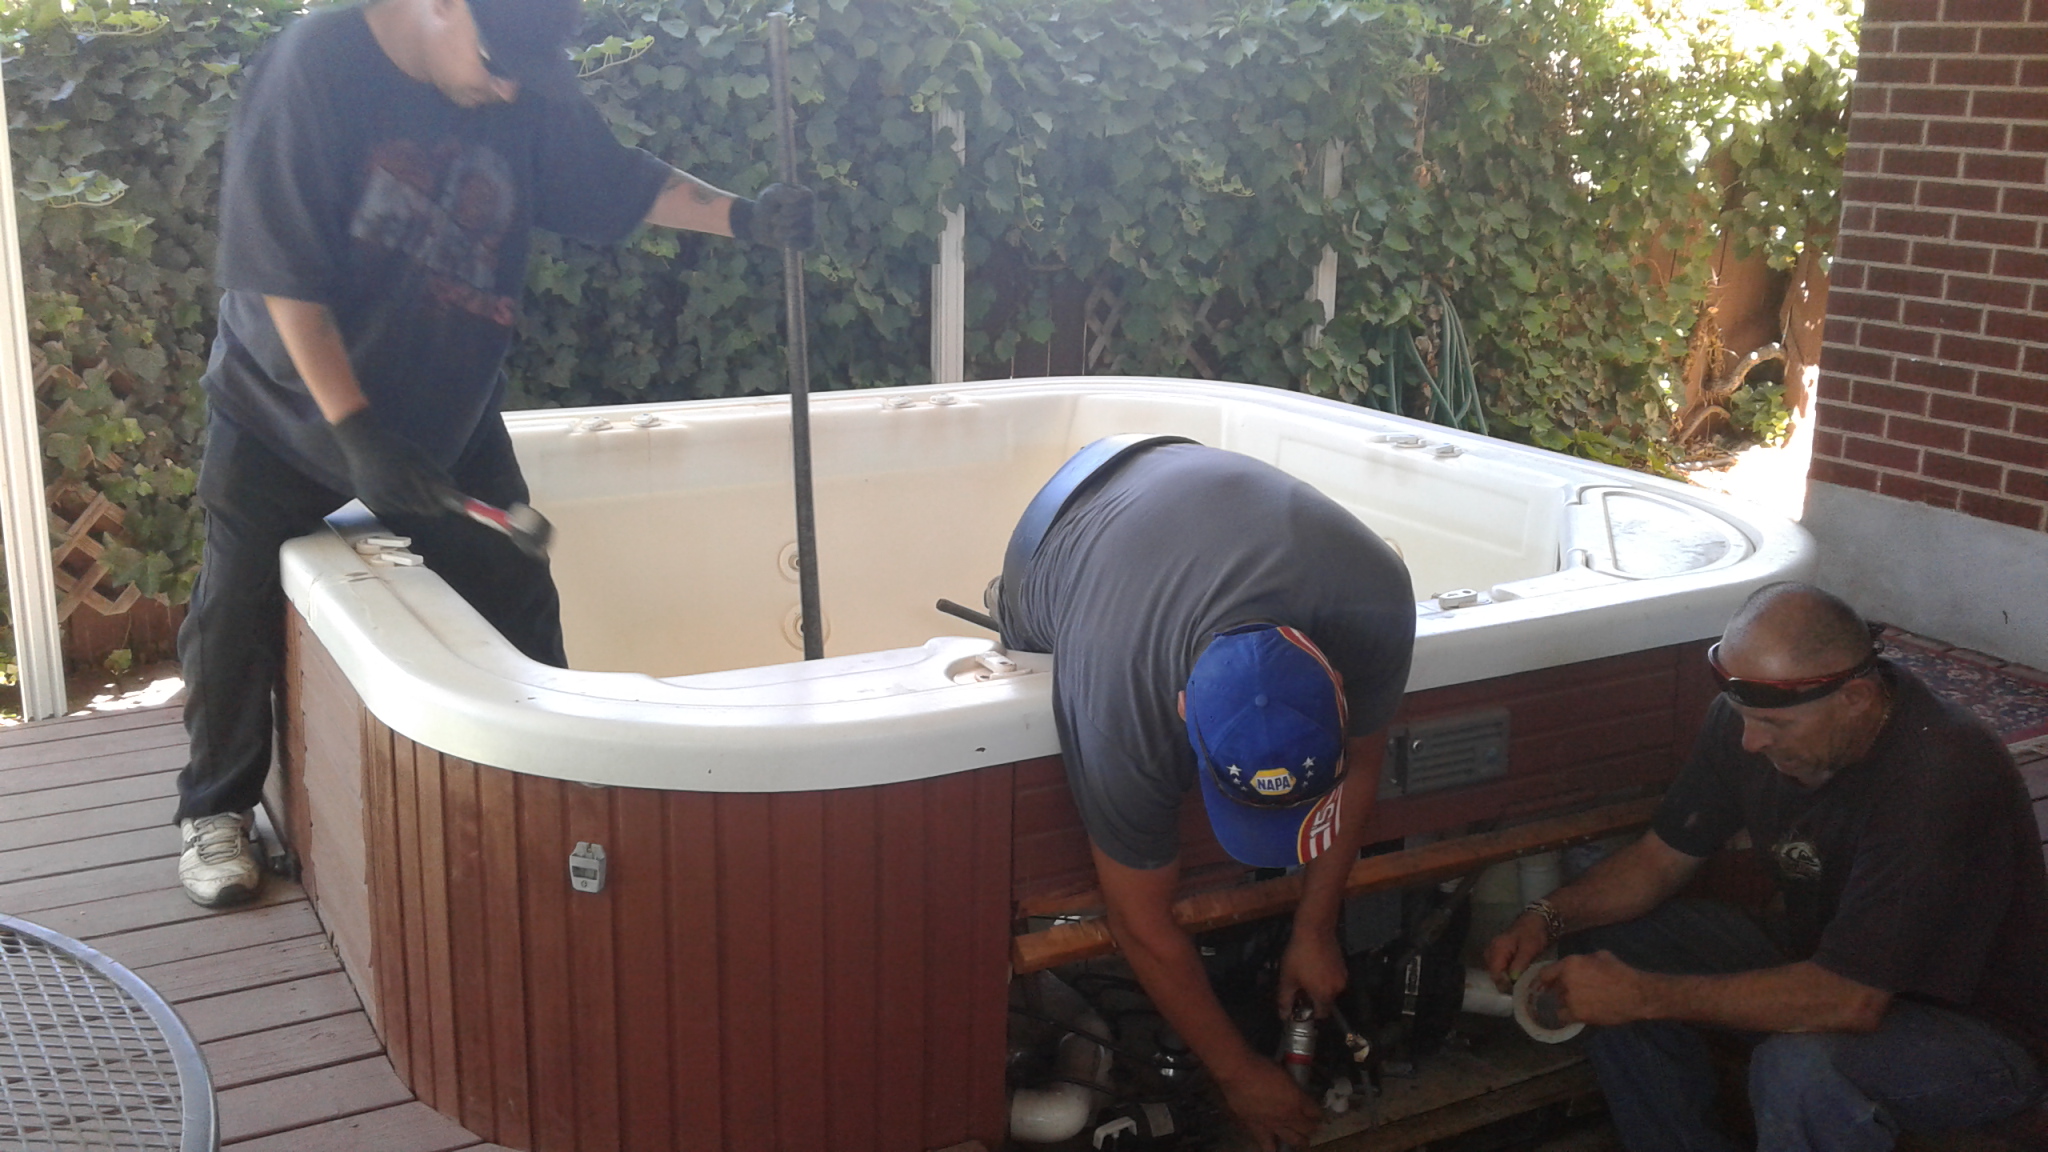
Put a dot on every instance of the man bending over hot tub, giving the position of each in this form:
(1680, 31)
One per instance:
(1901, 984)
(1217, 624)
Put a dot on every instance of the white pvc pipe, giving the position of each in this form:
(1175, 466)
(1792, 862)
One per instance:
(949, 275)
(1483, 999)
(24, 513)
(1059, 1111)
(1324, 290)
(1538, 875)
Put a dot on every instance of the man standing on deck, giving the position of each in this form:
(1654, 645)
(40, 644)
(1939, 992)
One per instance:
(1217, 624)
(1897, 985)
(385, 168)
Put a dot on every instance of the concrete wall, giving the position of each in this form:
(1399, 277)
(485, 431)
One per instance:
(1929, 486)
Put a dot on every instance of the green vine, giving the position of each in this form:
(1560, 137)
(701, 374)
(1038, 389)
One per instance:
(1547, 166)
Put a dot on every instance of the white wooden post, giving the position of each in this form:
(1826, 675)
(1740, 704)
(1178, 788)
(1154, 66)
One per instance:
(949, 275)
(24, 513)
(1325, 287)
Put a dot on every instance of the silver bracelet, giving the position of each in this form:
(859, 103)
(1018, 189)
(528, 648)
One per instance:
(1553, 923)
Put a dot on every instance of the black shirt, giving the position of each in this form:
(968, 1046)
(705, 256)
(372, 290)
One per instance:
(1916, 871)
(1136, 575)
(350, 184)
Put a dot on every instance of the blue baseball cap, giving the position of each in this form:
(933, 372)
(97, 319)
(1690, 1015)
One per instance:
(1265, 712)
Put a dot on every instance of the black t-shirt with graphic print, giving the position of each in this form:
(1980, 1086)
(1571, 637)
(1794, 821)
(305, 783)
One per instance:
(1916, 871)
(350, 184)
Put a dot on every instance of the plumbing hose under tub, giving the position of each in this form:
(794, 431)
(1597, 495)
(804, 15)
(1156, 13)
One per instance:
(1060, 1110)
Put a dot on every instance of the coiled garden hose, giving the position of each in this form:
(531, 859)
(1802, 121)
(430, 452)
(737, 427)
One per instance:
(1453, 393)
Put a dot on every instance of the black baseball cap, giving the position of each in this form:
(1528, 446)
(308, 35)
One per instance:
(528, 41)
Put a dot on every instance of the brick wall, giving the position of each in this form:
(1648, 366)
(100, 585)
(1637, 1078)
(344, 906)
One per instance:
(1934, 376)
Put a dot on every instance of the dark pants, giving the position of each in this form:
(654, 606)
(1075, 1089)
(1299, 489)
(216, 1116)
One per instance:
(232, 641)
(1926, 1069)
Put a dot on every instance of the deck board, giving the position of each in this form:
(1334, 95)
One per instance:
(22, 897)
(280, 914)
(81, 797)
(291, 1049)
(151, 912)
(159, 842)
(17, 782)
(408, 1127)
(255, 967)
(87, 849)
(59, 827)
(70, 727)
(308, 1098)
(112, 752)
(272, 1006)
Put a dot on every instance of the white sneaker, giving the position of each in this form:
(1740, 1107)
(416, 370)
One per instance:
(219, 865)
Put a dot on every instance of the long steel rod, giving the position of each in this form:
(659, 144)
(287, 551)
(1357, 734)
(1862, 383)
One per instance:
(799, 357)
(24, 512)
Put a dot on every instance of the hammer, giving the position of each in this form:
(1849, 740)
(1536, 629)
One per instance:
(528, 530)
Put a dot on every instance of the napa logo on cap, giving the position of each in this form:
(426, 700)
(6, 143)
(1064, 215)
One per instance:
(1273, 782)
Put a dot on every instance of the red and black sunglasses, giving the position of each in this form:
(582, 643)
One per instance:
(1786, 693)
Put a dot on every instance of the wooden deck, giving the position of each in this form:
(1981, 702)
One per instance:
(86, 849)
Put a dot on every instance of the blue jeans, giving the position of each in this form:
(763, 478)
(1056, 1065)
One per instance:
(1925, 1069)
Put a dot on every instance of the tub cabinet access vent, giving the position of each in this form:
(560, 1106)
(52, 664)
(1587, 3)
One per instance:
(1448, 753)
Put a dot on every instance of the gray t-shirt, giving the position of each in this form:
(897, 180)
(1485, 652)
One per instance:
(1182, 542)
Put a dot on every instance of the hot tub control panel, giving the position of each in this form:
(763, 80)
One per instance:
(1446, 752)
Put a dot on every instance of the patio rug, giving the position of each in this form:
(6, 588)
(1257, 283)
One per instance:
(2010, 698)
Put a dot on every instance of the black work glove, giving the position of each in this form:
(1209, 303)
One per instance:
(390, 473)
(784, 216)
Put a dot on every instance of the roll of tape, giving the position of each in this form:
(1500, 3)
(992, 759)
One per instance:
(1526, 1010)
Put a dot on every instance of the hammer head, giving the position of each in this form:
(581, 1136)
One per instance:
(529, 530)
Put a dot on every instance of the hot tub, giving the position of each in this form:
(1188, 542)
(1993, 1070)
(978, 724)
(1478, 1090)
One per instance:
(798, 936)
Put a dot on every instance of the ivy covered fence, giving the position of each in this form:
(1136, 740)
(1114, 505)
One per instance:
(1545, 166)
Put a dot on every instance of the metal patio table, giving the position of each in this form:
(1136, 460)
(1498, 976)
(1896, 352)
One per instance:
(92, 1057)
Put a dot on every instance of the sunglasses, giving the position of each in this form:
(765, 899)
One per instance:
(1786, 693)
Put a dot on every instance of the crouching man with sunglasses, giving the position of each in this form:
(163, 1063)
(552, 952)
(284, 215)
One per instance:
(1896, 983)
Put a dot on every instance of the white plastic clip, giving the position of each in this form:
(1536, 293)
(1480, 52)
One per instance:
(371, 545)
(593, 424)
(1456, 598)
(645, 420)
(997, 664)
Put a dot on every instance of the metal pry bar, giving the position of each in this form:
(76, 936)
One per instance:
(799, 355)
(978, 619)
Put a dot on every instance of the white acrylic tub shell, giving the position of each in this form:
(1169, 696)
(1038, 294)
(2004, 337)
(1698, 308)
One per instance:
(673, 540)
